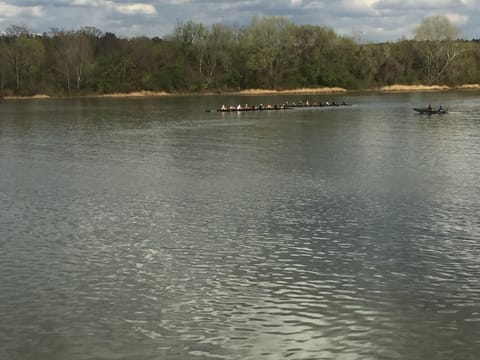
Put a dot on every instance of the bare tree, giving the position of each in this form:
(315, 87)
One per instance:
(3, 64)
(437, 40)
(15, 31)
(23, 53)
(74, 56)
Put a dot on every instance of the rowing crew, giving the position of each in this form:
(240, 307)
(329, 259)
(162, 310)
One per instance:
(314, 103)
(253, 107)
(440, 109)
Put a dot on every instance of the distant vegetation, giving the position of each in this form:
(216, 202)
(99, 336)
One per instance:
(269, 53)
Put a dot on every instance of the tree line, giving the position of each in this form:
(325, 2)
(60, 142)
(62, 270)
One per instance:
(268, 53)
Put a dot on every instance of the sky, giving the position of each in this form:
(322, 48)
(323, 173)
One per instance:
(366, 20)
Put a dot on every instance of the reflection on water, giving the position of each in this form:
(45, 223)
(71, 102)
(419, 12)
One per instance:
(144, 229)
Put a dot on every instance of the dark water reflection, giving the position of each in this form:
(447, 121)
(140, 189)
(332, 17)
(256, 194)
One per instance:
(146, 229)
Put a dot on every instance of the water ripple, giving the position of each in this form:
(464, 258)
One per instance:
(344, 235)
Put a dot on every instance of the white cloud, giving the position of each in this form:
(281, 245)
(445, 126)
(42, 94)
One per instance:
(457, 19)
(376, 20)
(122, 8)
(417, 4)
(315, 5)
(9, 11)
(361, 4)
(136, 8)
(89, 3)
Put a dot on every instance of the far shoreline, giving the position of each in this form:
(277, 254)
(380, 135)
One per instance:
(256, 92)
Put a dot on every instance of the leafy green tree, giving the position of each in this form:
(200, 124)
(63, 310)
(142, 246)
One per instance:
(465, 69)
(270, 52)
(31, 56)
(343, 63)
(408, 58)
(270, 45)
(108, 64)
(380, 66)
(315, 46)
(191, 40)
(217, 58)
(140, 63)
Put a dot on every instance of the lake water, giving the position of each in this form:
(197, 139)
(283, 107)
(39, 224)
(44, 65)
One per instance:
(151, 229)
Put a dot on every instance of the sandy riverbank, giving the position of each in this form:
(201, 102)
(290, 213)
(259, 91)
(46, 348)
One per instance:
(469, 86)
(143, 93)
(419, 88)
(114, 95)
(37, 96)
(325, 90)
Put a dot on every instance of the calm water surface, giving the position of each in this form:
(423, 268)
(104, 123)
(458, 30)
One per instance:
(151, 229)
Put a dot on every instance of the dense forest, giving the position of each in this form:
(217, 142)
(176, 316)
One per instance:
(269, 53)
